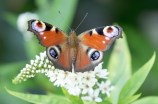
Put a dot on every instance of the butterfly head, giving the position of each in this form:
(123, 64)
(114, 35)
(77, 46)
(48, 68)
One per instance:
(72, 32)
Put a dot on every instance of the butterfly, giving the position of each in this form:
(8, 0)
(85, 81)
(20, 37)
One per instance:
(71, 52)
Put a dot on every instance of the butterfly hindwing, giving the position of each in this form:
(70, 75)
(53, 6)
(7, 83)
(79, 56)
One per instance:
(47, 34)
(59, 55)
(87, 58)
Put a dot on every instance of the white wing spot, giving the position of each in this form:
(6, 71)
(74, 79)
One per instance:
(44, 37)
(103, 42)
(53, 29)
(107, 38)
(41, 33)
(94, 32)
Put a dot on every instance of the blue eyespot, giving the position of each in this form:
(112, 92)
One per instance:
(95, 55)
(53, 53)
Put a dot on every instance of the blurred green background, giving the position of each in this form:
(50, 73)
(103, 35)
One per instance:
(138, 18)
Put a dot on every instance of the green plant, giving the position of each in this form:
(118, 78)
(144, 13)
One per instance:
(119, 66)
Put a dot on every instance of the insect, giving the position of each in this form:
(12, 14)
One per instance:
(81, 53)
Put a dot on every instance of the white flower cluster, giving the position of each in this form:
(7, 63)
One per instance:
(86, 85)
(40, 65)
(23, 25)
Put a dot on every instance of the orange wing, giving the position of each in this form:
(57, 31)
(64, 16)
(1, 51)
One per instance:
(59, 55)
(47, 34)
(101, 38)
(87, 58)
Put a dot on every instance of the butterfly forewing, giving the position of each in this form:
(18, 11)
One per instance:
(101, 38)
(47, 34)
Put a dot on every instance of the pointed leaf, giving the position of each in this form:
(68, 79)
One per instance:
(40, 99)
(136, 80)
(120, 60)
(130, 99)
(147, 100)
(72, 98)
(104, 102)
(119, 67)
(48, 12)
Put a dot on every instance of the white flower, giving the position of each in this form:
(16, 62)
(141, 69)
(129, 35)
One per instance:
(32, 62)
(43, 55)
(93, 96)
(59, 74)
(76, 78)
(101, 73)
(52, 74)
(87, 88)
(105, 87)
(35, 66)
(89, 78)
(68, 77)
(23, 25)
(75, 90)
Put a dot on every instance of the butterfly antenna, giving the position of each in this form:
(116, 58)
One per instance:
(81, 21)
(64, 20)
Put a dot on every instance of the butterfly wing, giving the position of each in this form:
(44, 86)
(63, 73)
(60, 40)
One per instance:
(47, 34)
(59, 55)
(55, 40)
(92, 43)
(87, 58)
(101, 38)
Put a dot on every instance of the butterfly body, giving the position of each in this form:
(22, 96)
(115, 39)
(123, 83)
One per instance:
(80, 53)
(72, 46)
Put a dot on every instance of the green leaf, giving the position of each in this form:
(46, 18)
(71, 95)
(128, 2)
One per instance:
(136, 80)
(48, 12)
(120, 60)
(41, 3)
(147, 100)
(40, 99)
(119, 67)
(72, 98)
(104, 102)
(130, 99)
(10, 18)
(93, 102)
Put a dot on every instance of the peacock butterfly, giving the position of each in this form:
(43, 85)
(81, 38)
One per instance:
(82, 52)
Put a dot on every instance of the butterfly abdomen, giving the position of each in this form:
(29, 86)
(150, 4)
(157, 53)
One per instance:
(73, 54)
(73, 44)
